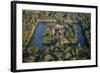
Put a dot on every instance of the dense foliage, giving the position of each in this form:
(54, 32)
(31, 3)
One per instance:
(58, 53)
(59, 37)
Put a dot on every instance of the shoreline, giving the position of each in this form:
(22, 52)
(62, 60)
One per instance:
(42, 21)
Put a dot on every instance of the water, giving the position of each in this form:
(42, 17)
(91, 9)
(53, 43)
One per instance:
(37, 36)
(80, 35)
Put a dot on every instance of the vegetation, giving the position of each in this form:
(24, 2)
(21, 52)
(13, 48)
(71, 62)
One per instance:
(56, 54)
(59, 38)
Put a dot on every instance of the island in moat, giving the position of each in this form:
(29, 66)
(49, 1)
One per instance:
(55, 36)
